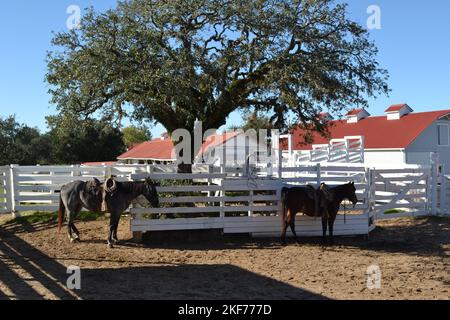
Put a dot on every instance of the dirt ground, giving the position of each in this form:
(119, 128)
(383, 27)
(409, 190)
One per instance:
(412, 255)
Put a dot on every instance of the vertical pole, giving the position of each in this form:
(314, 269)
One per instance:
(12, 191)
(247, 156)
(210, 171)
(319, 174)
(7, 186)
(443, 192)
(222, 194)
(434, 176)
(280, 164)
(291, 155)
(250, 203)
(347, 151)
(368, 189)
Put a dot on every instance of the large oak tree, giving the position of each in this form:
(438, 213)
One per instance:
(181, 61)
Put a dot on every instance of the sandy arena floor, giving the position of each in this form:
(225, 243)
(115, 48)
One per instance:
(412, 255)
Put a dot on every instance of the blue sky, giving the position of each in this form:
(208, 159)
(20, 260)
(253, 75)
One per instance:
(414, 46)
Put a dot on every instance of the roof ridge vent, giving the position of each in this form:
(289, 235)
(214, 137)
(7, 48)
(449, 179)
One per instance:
(397, 111)
(356, 115)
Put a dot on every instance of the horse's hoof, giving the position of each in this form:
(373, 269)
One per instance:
(72, 240)
(110, 246)
(116, 241)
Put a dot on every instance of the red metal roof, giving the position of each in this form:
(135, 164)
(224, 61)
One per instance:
(379, 132)
(163, 150)
(396, 107)
(156, 149)
(99, 163)
(354, 112)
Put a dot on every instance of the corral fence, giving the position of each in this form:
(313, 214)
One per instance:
(5, 182)
(236, 199)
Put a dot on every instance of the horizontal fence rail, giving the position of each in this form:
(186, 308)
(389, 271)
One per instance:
(236, 205)
(238, 199)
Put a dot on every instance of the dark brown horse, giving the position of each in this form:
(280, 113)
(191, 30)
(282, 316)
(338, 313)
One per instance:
(325, 203)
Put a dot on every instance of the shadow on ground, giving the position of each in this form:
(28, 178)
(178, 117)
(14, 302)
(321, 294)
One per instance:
(27, 273)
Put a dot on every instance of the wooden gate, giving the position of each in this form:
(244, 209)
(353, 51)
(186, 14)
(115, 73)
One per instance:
(401, 192)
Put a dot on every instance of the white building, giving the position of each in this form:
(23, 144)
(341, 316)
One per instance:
(399, 137)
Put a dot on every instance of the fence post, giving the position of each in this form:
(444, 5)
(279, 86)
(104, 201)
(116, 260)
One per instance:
(443, 192)
(108, 172)
(434, 182)
(12, 191)
(319, 174)
(7, 185)
(222, 193)
(280, 162)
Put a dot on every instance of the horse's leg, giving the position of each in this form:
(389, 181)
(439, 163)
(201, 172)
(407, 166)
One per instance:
(324, 229)
(74, 228)
(331, 221)
(113, 223)
(114, 235)
(285, 226)
(70, 218)
(292, 225)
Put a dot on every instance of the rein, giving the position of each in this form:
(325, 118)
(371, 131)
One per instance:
(343, 205)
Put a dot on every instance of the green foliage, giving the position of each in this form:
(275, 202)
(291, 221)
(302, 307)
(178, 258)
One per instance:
(393, 211)
(76, 140)
(179, 61)
(19, 143)
(255, 121)
(70, 140)
(133, 135)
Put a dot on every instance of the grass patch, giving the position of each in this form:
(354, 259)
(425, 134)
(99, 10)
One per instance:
(394, 211)
(52, 217)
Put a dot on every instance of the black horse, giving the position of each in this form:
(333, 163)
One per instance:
(111, 196)
(118, 196)
(324, 203)
(73, 197)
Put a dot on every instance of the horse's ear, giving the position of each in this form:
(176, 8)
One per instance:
(353, 183)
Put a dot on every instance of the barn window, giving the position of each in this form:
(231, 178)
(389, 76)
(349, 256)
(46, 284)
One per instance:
(443, 135)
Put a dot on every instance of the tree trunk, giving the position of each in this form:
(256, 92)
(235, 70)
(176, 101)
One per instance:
(187, 167)
(184, 168)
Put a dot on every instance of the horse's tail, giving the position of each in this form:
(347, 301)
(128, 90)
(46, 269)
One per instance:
(61, 211)
(284, 193)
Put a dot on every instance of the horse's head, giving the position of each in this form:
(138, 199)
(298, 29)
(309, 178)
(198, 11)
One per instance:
(350, 192)
(150, 192)
(94, 187)
(110, 185)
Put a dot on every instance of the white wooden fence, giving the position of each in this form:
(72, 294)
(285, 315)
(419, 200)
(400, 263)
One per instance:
(401, 192)
(350, 149)
(5, 205)
(239, 200)
(444, 194)
(239, 205)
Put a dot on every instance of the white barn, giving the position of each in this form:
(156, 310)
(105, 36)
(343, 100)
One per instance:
(231, 148)
(399, 137)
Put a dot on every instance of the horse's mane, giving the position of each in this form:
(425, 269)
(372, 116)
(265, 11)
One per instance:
(131, 186)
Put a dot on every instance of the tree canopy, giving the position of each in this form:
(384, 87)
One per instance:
(134, 135)
(88, 140)
(255, 121)
(181, 61)
(19, 142)
(69, 141)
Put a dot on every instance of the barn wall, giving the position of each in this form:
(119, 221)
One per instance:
(384, 158)
(235, 151)
(419, 151)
